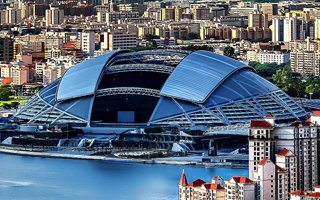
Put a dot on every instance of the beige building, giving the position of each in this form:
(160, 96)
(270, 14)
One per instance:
(13, 16)
(270, 9)
(167, 14)
(305, 62)
(119, 39)
(240, 188)
(201, 13)
(199, 189)
(54, 16)
(258, 19)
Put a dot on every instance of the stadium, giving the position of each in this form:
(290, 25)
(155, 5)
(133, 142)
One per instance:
(158, 88)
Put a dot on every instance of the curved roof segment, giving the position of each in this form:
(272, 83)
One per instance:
(81, 80)
(198, 75)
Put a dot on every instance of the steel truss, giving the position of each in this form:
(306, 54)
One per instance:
(128, 90)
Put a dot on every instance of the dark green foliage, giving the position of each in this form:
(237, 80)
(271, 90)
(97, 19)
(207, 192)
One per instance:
(15, 105)
(228, 51)
(268, 69)
(196, 48)
(5, 93)
(6, 106)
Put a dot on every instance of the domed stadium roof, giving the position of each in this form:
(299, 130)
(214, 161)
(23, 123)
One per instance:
(159, 87)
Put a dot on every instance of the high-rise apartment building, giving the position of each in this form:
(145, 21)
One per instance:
(6, 48)
(201, 13)
(88, 42)
(240, 188)
(305, 62)
(119, 39)
(54, 16)
(167, 14)
(2, 16)
(270, 9)
(317, 28)
(257, 19)
(295, 29)
(267, 139)
(290, 29)
(13, 15)
(278, 29)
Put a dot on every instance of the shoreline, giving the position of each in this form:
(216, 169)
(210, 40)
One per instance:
(112, 159)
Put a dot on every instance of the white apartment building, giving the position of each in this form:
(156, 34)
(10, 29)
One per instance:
(290, 29)
(277, 29)
(13, 15)
(273, 57)
(288, 161)
(317, 27)
(119, 39)
(303, 45)
(265, 176)
(267, 138)
(54, 16)
(88, 42)
(272, 181)
(199, 189)
(239, 188)
(117, 17)
(6, 71)
(268, 57)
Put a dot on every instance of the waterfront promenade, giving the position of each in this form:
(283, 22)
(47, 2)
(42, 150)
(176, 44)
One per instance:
(191, 160)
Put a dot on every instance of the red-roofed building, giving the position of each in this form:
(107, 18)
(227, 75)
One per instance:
(212, 186)
(183, 179)
(260, 124)
(315, 117)
(286, 160)
(298, 141)
(316, 195)
(197, 183)
(263, 161)
(297, 192)
(283, 152)
(265, 177)
(297, 195)
(199, 189)
(240, 187)
(217, 180)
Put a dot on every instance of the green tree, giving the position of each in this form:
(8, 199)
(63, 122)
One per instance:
(6, 106)
(253, 64)
(5, 93)
(289, 82)
(267, 70)
(228, 51)
(15, 104)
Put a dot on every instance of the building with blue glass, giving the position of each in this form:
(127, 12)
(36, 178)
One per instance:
(159, 87)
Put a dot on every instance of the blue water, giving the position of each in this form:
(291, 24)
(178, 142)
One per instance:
(31, 178)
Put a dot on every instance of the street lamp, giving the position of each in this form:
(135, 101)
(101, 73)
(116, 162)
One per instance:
(311, 94)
